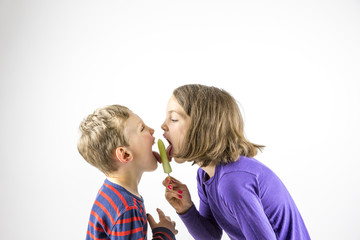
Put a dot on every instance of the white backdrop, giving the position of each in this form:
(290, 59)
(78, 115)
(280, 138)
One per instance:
(292, 65)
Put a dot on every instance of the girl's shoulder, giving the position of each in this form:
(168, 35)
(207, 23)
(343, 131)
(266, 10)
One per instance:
(244, 168)
(243, 164)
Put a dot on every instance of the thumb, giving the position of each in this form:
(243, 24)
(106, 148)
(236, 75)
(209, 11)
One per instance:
(151, 220)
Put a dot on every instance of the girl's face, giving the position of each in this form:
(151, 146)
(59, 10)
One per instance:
(175, 127)
(141, 140)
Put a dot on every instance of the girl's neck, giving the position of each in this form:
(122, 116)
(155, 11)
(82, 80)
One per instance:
(210, 170)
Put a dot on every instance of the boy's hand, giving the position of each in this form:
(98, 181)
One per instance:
(178, 195)
(164, 221)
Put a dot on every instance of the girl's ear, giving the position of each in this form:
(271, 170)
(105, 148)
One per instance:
(123, 155)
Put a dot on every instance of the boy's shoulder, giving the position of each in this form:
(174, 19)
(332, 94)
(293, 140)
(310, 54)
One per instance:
(118, 197)
(113, 206)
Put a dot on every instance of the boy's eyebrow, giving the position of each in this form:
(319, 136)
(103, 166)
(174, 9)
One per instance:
(139, 123)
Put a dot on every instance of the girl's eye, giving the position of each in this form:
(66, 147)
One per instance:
(174, 120)
(142, 128)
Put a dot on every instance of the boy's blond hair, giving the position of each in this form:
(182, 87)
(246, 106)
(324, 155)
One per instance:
(216, 132)
(101, 133)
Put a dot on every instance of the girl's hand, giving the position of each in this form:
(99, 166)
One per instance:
(178, 195)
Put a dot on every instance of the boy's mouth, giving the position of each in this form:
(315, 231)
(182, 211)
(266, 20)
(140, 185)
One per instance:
(157, 156)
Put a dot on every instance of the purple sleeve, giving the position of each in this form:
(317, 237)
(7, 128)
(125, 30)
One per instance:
(201, 224)
(240, 192)
(200, 227)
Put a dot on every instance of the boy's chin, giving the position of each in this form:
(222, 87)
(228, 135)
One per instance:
(152, 169)
(179, 160)
(155, 166)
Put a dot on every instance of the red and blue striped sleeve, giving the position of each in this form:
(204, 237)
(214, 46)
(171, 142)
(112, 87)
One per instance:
(131, 225)
(161, 233)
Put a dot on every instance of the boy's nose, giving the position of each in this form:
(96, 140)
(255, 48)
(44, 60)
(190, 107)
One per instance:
(152, 131)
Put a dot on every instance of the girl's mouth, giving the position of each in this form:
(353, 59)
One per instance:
(169, 149)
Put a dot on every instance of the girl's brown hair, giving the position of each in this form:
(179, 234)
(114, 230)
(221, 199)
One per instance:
(216, 132)
(101, 133)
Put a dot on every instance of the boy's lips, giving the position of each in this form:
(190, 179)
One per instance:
(157, 156)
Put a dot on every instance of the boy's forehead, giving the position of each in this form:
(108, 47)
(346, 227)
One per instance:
(133, 122)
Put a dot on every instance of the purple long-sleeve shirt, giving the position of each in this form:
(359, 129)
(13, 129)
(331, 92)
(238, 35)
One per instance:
(246, 200)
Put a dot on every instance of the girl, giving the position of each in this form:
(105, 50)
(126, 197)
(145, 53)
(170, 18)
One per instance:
(238, 194)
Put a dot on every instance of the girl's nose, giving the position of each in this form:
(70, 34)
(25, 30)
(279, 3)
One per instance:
(164, 127)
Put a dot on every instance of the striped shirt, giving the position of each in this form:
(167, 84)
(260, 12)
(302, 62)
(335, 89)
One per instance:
(118, 214)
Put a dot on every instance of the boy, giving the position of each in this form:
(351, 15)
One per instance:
(118, 143)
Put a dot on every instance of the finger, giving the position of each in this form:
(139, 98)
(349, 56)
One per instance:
(151, 220)
(170, 180)
(171, 195)
(174, 185)
(175, 180)
(161, 213)
(169, 187)
(167, 181)
(179, 189)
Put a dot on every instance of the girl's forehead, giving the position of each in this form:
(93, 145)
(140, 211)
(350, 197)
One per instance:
(173, 105)
(175, 108)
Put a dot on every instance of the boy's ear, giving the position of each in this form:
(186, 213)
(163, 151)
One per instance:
(123, 155)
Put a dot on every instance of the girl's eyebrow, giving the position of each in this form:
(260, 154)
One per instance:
(180, 113)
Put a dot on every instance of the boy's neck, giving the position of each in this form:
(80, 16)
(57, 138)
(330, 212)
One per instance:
(128, 181)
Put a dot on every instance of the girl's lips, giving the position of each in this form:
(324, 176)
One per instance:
(169, 151)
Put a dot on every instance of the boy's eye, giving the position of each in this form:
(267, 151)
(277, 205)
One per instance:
(174, 120)
(142, 128)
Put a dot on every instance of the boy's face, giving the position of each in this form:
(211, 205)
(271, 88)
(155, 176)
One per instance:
(175, 127)
(141, 139)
